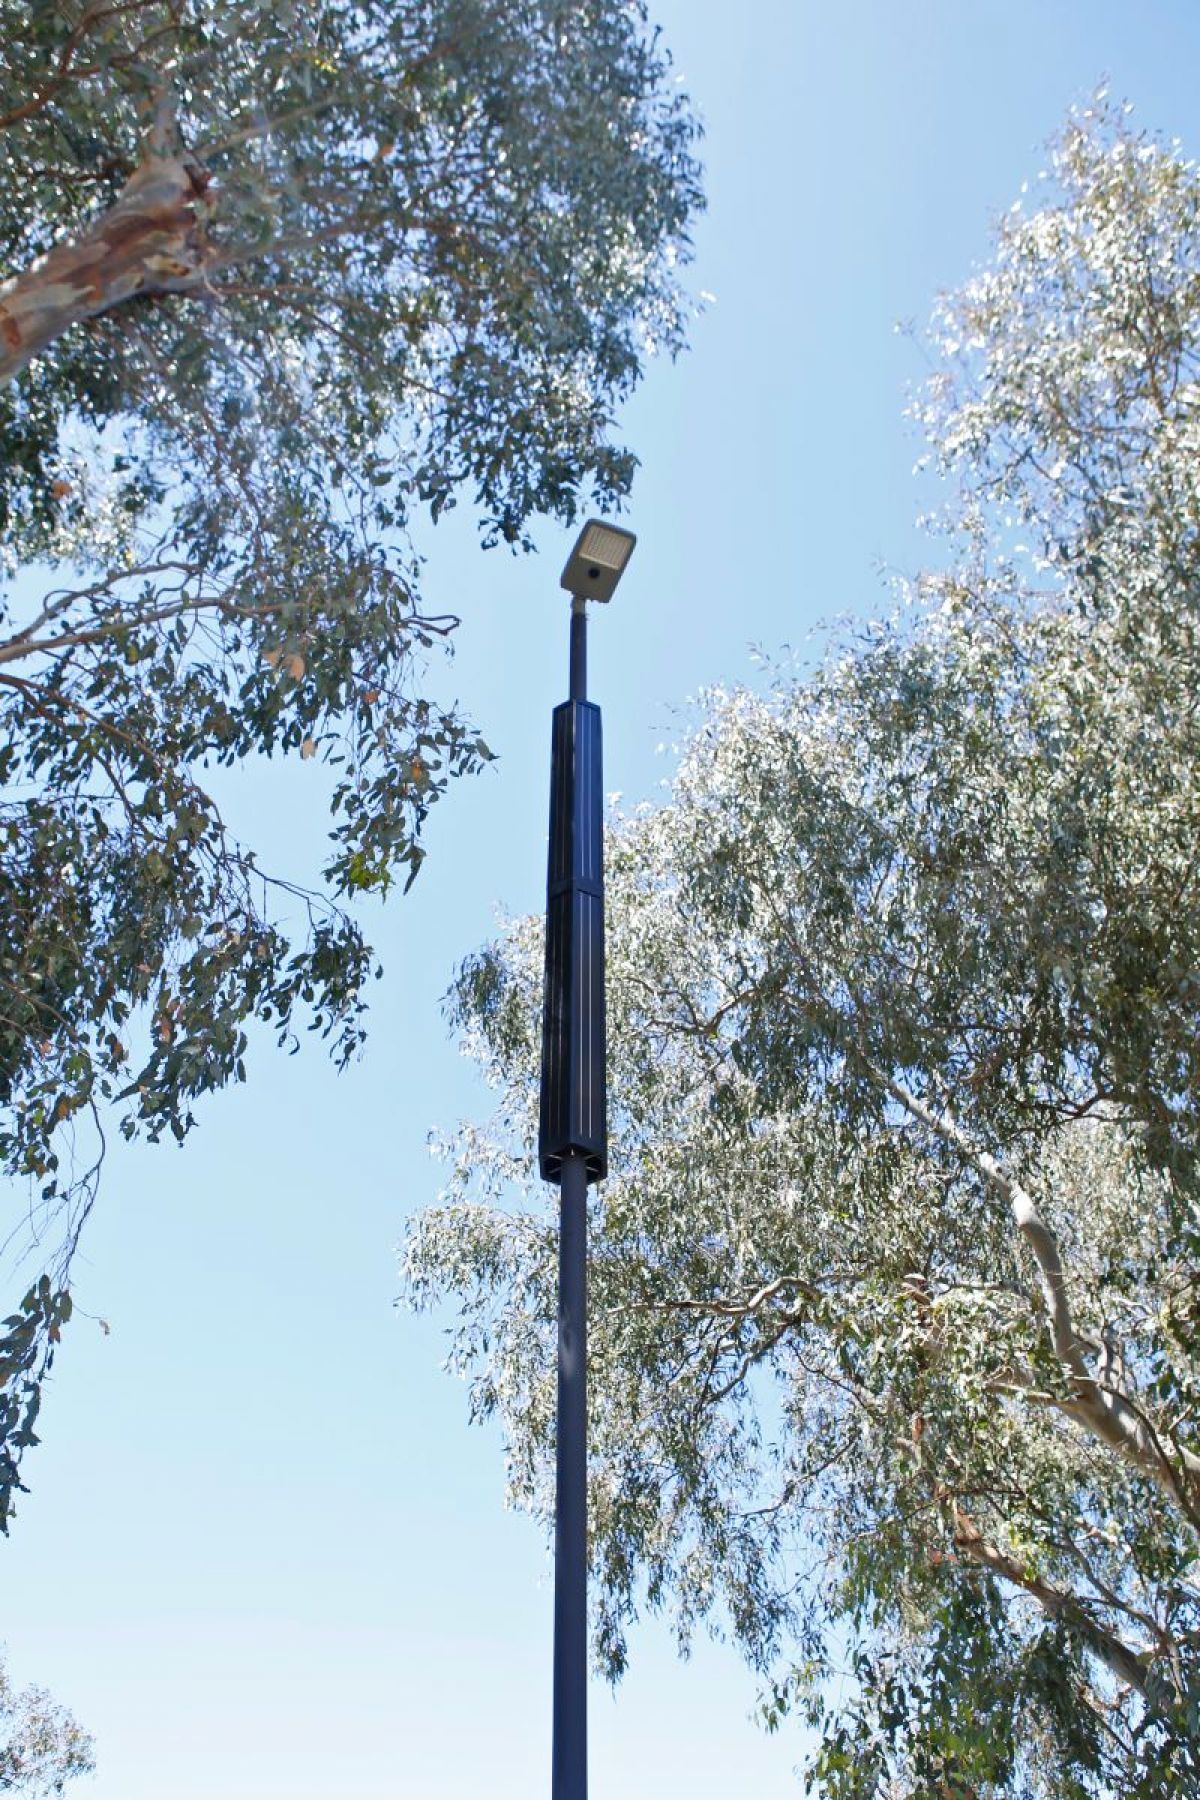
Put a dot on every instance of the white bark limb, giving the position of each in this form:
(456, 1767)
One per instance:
(1130, 1666)
(1100, 1408)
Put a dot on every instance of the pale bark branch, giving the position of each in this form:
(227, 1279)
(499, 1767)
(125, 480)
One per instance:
(150, 241)
(1100, 1407)
(1130, 1666)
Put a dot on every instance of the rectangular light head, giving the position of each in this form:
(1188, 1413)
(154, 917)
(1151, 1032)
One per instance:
(598, 560)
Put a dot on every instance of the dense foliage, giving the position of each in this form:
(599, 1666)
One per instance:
(896, 1277)
(42, 1747)
(271, 277)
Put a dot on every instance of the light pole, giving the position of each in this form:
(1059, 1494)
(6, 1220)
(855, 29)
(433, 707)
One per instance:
(573, 1131)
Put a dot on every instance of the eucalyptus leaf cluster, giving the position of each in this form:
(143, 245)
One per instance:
(42, 1746)
(895, 1276)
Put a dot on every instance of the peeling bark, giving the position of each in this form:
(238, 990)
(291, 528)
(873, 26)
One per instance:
(150, 241)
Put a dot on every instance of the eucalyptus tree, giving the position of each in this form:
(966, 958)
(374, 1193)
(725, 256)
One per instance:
(895, 1282)
(272, 277)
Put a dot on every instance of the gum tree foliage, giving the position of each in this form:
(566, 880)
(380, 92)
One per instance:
(271, 277)
(42, 1747)
(895, 1291)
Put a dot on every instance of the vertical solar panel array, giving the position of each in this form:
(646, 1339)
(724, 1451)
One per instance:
(573, 1074)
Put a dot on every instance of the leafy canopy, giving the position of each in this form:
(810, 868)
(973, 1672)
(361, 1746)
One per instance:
(272, 277)
(895, 1279)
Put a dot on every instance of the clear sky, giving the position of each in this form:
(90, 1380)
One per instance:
(264, 1557)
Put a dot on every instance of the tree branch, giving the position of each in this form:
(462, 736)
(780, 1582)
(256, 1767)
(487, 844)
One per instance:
(150, 241)
(1131, 1667)
(1102, 1408)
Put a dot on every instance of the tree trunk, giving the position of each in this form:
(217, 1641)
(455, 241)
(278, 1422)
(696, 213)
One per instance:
(150, 241)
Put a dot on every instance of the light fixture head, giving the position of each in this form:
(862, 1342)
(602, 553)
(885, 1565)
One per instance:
(597, 562)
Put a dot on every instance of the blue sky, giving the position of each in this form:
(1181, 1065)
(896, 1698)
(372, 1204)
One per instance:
(263, 1555)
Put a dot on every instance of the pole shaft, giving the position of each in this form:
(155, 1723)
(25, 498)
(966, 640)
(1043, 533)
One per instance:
(578, 687)
(570, 1531)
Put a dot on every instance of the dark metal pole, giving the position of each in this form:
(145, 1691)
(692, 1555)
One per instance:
(578, 688)
(569, 1756)
(573, 1151)
(570, 1526)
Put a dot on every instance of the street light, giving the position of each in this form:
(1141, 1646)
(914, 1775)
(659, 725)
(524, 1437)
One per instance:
(573, 1130)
